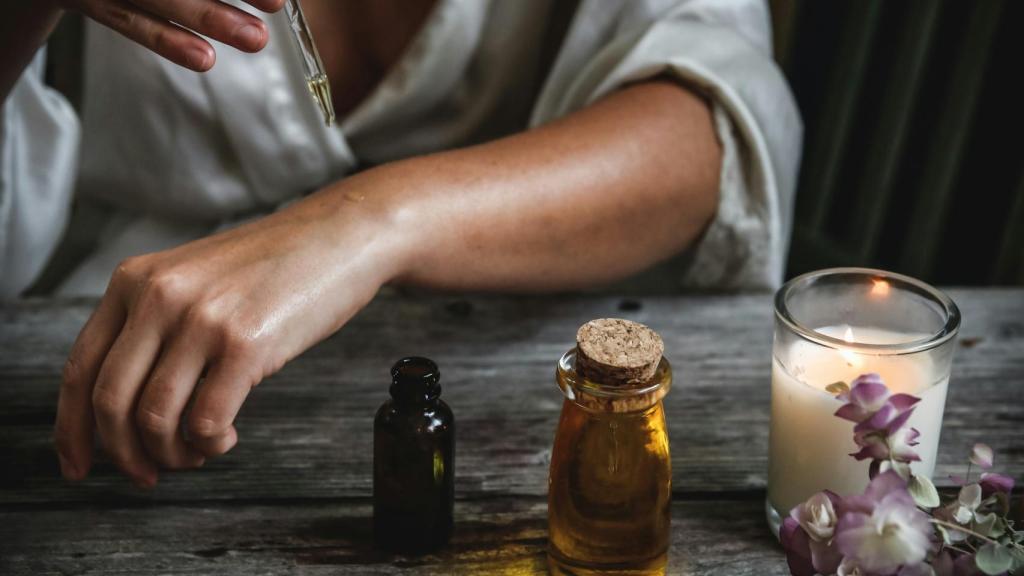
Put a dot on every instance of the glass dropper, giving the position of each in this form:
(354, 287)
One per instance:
(316, 78)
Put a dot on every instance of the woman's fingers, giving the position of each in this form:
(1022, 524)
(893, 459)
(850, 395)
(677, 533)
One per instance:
(213, 19)
(163, 403)
(151, 23)
(217, 445)
(210, 423)
(120, 379)
(266, 5)
(168, 40)
(73, 429)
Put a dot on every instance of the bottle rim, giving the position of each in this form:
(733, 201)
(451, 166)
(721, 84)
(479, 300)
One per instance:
(415, 379)
(575, 387)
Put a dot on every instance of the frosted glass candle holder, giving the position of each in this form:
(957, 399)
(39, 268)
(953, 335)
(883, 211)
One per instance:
(834, 325)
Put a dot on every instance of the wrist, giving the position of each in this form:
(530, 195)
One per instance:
(363, 227)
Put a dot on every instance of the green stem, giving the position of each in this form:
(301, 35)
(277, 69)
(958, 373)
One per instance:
(960, 550)
(960, 528)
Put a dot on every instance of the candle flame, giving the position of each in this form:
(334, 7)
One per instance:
(850, 356)
(879, 288)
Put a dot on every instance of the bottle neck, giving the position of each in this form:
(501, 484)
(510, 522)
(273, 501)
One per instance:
(604, 397)
(415, 394)
(415, 380)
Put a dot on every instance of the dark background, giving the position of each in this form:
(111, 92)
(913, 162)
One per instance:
(913, 136)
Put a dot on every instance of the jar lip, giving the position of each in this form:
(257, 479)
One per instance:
(567, 372)
(949, 309)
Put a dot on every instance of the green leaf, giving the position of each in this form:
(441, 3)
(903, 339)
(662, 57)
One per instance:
(993, 559)
(962, 515)
(945, 534)
(970, 496)
(1018, 558)
(923, 491)
(986, 525)
(837, 388)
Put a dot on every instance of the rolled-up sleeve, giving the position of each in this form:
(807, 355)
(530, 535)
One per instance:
(39, 134)
(721, 49)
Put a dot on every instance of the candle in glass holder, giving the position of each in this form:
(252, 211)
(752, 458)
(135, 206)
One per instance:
(832, 326)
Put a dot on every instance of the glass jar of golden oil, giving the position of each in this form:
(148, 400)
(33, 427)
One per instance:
(610, 482)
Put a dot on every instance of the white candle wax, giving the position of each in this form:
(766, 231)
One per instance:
(809, 445)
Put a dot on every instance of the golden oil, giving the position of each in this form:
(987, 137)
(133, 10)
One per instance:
(320, 88)
(610, 481)
(313, 67)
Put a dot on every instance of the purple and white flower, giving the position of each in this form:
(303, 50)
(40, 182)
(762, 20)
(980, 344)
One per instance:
(869, 401)
(982, 456)
(884, 445)
(992, 483)
(806, 535)
(883, 530)
(817, 516)
(866, 395)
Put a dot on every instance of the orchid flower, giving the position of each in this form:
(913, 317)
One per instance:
(886, 531)
(883, 529)
(807, 536)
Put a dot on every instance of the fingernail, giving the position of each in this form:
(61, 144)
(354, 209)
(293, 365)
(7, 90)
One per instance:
(67, 469)
(249, 35)
(195, 459)
(198, 58)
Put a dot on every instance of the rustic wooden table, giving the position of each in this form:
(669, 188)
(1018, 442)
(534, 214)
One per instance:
(294, 496)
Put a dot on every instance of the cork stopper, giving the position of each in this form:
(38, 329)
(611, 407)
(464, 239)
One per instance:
(617, 352)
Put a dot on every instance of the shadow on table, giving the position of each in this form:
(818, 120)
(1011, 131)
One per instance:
(497, 541)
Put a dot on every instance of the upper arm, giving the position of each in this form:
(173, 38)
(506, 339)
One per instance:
(721, 50)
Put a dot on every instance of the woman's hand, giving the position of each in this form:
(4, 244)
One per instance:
(172, 28)
(233, 307)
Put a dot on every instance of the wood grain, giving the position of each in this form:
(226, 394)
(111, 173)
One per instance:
(493, 536)
(306, 432)
(293, 497)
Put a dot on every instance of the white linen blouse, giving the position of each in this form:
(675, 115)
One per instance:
(176, 155)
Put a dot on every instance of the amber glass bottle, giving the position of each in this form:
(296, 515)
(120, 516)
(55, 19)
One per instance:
(610, 481)
(413, 462)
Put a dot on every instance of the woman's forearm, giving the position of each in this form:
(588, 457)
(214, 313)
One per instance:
(23, 29)
(594, 197)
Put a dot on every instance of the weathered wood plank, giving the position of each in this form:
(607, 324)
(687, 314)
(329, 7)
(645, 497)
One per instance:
(307, 431)
(503, 536)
